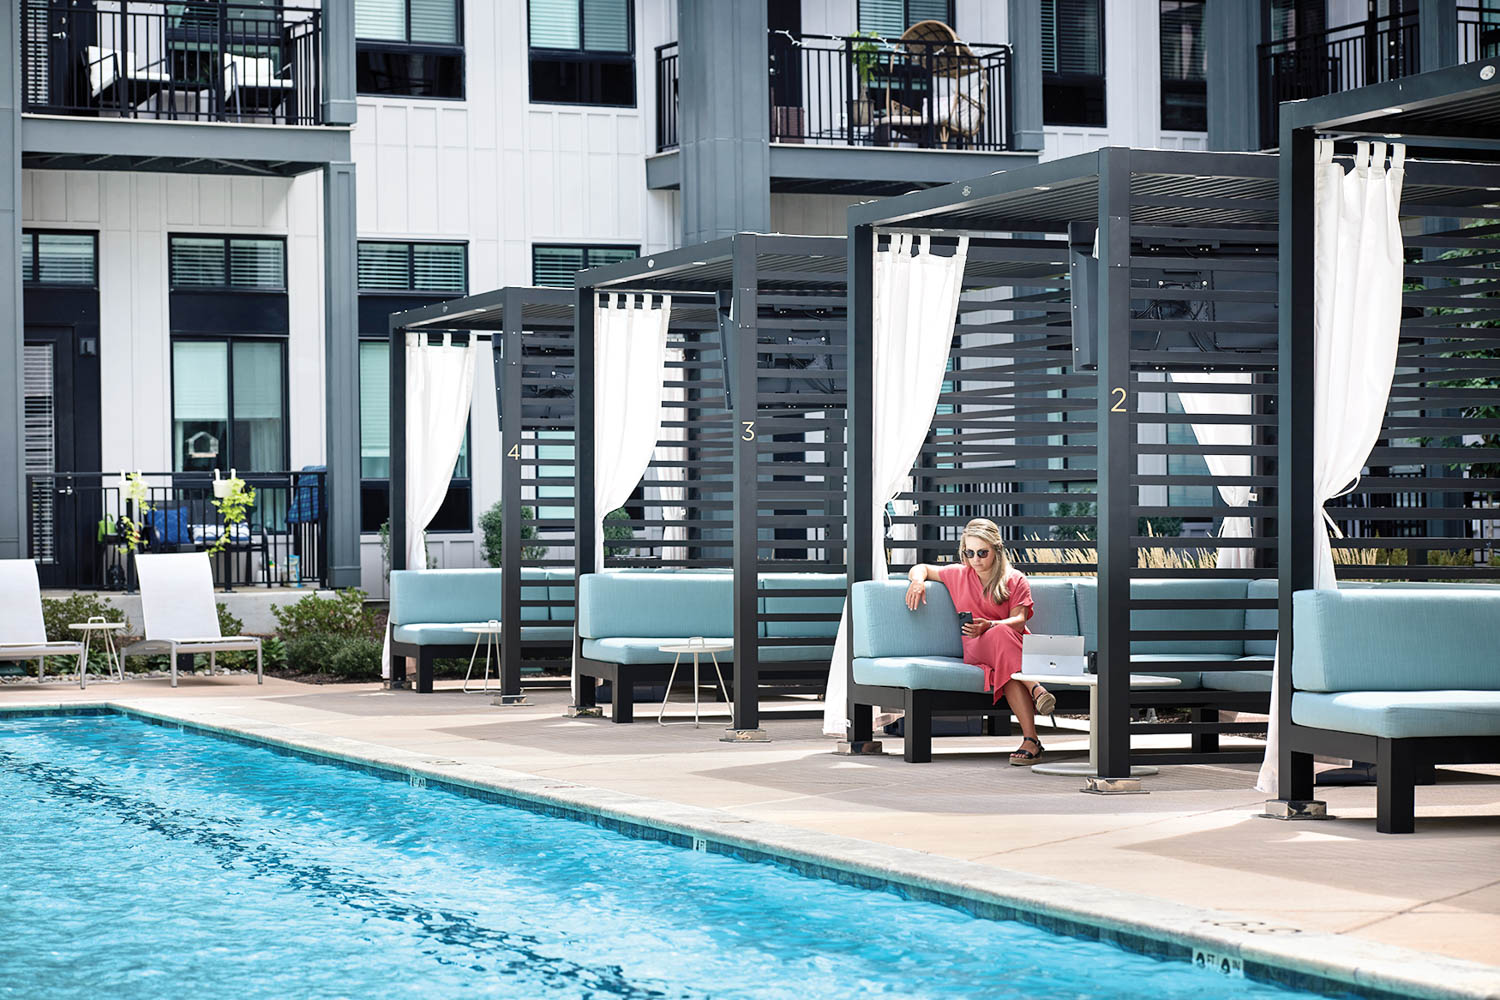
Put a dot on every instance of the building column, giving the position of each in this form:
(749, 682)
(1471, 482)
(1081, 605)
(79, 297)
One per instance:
(12, 410)
(1231, 36)
(1024, 21)
(724, 125)
(341, 369)
(339, 104)
(1437, 34)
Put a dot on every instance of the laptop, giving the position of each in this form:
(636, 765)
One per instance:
(1059, 655)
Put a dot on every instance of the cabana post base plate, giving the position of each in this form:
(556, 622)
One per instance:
(859, 748)
(1296, 809)
(510, 699)
(585, 712)
(744, 736)
(1113, 786)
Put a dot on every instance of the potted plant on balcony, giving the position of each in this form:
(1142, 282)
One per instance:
(864, 51)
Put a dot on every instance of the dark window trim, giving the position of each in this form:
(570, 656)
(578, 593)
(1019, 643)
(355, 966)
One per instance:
(237, 289)
(906, 14)
(417, 48)
(286, 423)
(585, 247)
(583, 33)
(33, 244)
(1087, 79)
(583, 55)
(407, 43)
(411, 268)
(1177, 85)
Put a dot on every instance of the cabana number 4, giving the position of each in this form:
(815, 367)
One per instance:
(515, 452)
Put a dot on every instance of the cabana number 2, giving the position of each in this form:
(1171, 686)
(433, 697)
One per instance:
(1119, 405)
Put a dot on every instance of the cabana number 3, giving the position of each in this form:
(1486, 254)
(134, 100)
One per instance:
(1119, 406)
(749, 434)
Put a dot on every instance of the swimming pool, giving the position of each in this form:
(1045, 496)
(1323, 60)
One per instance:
(138, 860)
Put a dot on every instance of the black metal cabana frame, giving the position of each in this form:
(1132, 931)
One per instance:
(1185, 284)
(761, 474)
(531, 333)
(1448, 367)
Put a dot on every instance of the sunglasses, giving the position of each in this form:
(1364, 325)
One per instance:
(976, 553)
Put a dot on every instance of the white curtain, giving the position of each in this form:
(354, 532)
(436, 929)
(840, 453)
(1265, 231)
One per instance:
(1357, 272)
(439, 390)
(630, 365)
(1225, 466)
(915, 295)
(671, 497)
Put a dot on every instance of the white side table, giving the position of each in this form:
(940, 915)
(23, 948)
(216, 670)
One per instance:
(487, 635)
(1091, 681)
(698, 646)
(113, 668)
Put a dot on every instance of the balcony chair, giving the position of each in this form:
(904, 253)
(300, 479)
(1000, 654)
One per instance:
(956, 106)
(23, 632)
(118, 81)
(177, 605)
(251, 83)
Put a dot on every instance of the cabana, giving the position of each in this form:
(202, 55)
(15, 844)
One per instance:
(1106, 397)
(530, 333)
(746, 474)
(1404, 680)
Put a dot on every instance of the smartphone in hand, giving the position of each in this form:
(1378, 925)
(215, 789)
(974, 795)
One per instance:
(965, 618)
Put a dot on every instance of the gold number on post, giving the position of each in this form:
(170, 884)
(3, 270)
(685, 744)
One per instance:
(1119, 406)
(749, 434)
(515, 452)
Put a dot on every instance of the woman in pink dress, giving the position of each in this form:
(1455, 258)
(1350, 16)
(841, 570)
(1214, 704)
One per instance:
(985, 584)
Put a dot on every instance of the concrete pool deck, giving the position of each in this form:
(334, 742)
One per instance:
(1195, 841)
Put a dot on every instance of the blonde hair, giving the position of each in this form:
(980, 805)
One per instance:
(993, 584)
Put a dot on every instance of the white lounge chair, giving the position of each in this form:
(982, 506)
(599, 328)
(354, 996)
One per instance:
(252, 81)
(116, 78)
(177, 603)
(23, 633)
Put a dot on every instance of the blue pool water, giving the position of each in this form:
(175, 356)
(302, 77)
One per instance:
(141, 861)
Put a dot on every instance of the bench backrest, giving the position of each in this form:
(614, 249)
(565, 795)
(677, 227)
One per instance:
(655, 605)
(830, 604)
(434, 596)
(1228, 619)
(884, 626)
(1388, 640)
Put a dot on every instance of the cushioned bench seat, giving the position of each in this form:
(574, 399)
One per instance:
(1241, 680)
(627, 649)
(1399, 715)
(453, 634)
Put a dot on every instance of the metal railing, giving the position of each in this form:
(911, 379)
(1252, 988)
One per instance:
(202, 60)
(853, 91)
(80, 525)
(1335, 60)
(1478, 34)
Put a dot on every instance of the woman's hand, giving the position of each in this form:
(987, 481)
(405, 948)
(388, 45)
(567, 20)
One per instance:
(916, 593)
(977, 627)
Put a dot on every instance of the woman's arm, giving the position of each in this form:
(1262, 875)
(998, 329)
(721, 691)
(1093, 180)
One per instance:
(1016, 621)
(916, 589)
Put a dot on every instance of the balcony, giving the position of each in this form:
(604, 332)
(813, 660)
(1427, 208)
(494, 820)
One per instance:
(1356, 55)
(851, 93)
(198, 61)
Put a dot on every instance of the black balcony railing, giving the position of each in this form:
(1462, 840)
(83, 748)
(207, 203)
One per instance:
(1478, 34)
(855, 91)
(79, 526)
(199, 60)
(1328, 62)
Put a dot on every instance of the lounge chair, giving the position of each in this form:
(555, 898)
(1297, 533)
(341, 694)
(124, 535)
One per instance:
(252, 84)
(23, 633)
(177, 603)
(117, 80)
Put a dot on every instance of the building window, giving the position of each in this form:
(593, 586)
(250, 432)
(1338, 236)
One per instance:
(394, 277)
(582, 52)
(229, 404)
(1184, 86)
(59, 259)
(891, 18)
(212, 262)
(555, 265)
(1073, 62)
(409, 48)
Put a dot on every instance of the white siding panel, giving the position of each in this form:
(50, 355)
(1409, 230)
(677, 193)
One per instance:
(28, 197)
(118, 201)
(246, 208)
(422, 161)
(83, 196)
(51, 196)
(213, 201)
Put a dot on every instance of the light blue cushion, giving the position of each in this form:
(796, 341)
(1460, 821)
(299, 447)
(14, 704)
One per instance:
(1054, 608)
(1257, 681)
(628, 649)
(454, 634)
(920, 673)
(560, 592)
(534, 588)
(420, 596)
(665, 605)
(883, 626)
(1400, 715)
(1146, 663)
(1410, 640)
(1176, 620)
(793, 654)
(1261, 618)
(832, 604)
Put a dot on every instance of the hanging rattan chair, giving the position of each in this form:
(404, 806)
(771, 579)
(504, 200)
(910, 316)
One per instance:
(959, 93)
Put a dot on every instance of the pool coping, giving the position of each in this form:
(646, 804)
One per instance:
(1211, 939)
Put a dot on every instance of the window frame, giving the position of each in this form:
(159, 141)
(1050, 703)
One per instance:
(32, 241)
(1084, 80)
(1179, 85)
(582, 56)
(411, 266)
(279, 238)
(585, 247)
(229, 340)
(454, 49)
(905, 15)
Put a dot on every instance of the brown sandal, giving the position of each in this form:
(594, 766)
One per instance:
(1044, 700)
(1023, 757)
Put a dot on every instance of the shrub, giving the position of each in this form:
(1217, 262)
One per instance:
(617, 532)
(313, 653)
(274, 652)
(356, 659)
(59, 612)
(345, 614)
(235, 659)
(492, 526)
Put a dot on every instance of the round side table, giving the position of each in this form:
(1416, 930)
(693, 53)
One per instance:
(487, 635)
(113, 668)
(698, 646)
(1091, 681)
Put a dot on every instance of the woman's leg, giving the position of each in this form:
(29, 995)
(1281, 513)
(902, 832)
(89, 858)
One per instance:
(1021, 706)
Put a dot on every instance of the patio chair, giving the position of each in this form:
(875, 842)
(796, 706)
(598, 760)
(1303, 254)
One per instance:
(251, 83)
(23, 633)
(177, 604)
(956, 107)
(117, 80)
